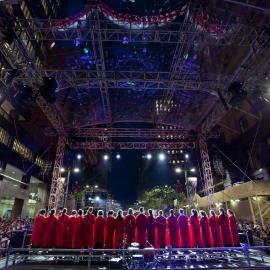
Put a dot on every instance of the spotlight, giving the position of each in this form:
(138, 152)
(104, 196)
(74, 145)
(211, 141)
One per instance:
(193, 170)
(52, 44)
(148, 156)
(87, 186)
(125, 40)
(79, 156)
(76, 170)
(105, 157)
(161, 156)
(178, 170)
(62, 170)
(166, 186)
(77, 42)
(86, 50)
(181, 151)
(97, 198)
(118, 156)
(96, 186)
(186, 156)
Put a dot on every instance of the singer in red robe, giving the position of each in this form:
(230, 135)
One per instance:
(38, 229)
(161, 230)
(173, 229)
(224, 229)
(99, 230)
(195, 229)
(213, 226)
(183, 228)
(151, 229)
(50, 230)
(78, 234)
(204, 229)
(130, 225)
(233, 228)
(72, 221)
(119, 230)
(63, 230)
(141, 225)
(89, 221)
(110, 229)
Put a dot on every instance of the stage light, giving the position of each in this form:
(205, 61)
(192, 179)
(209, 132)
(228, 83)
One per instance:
(118, 156)
(186, 156)
(237, 200)
(181, 151)
(193, 170)
(166, 186)
(62, 170)
(148, 156)
(52, 45)
(79, 156)
(96, 186)
(125, 40)
(105, 157)
(87, 186)
(178, 170)
(161, 156)
(86, 50)
(77, 42)
(186, 55)
(76, 170)
(97, 198)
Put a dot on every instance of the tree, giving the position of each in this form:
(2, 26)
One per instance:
(161, 198)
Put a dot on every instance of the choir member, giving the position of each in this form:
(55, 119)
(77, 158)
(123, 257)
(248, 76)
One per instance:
(110, 229)
(173, 229)
(151, 229)
(183, 227)
(161, 229)
(130, 227)
(141, 225)
(38, 229)
(50, 230)
(204, 227)
(119, 229)
(213, 226)
(223, 223)
(72, 220)
(233, 228)
(78, 234)
(99, 230)
(63, 230)
(89, 221)
(195, 228)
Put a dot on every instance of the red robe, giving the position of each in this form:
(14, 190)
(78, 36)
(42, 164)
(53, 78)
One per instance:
(141, 224)
(72, 221)
(205, 236)
(63, 231)
(195, 231)
(78, 234)
(50, 232)
(213, 226)
(151, 229)
(119, 232)
(161, 231)
(173, 231)
(89, 221)
(99, 231)
(38, 231)
(110, 229)
(233, 231)
(130, 225)
(224, 230)
(183, 228)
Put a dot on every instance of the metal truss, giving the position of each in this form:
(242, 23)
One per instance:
(132, 145)
(57, 186)
(207, 172)
(241, 35)
(100, 63)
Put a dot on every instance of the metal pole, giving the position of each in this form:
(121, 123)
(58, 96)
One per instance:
(251, 210)
(66, 191)
(260, 212)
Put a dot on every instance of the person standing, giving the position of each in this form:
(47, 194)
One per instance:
(89, 221)
(161, 230)
(224, 229)
(38, 229)
(110, 229)
(173, 229)
(213, 226)
(204, 228)
(99, 230)
(195, 229)
(63, 230)
(183, 228)
(151, 229)
(141, 225)
(130, 225)
(119, 230)
(50, 230)
(233, 228)
(78, 233)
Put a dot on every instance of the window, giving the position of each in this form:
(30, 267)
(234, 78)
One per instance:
(243, 123)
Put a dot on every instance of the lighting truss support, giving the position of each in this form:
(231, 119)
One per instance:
(57, 185)
(132, 145)
(207, 172)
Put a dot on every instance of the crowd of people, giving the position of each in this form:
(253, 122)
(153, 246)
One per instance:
(80, 230)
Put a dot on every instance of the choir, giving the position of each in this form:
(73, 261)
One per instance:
(87, 230)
